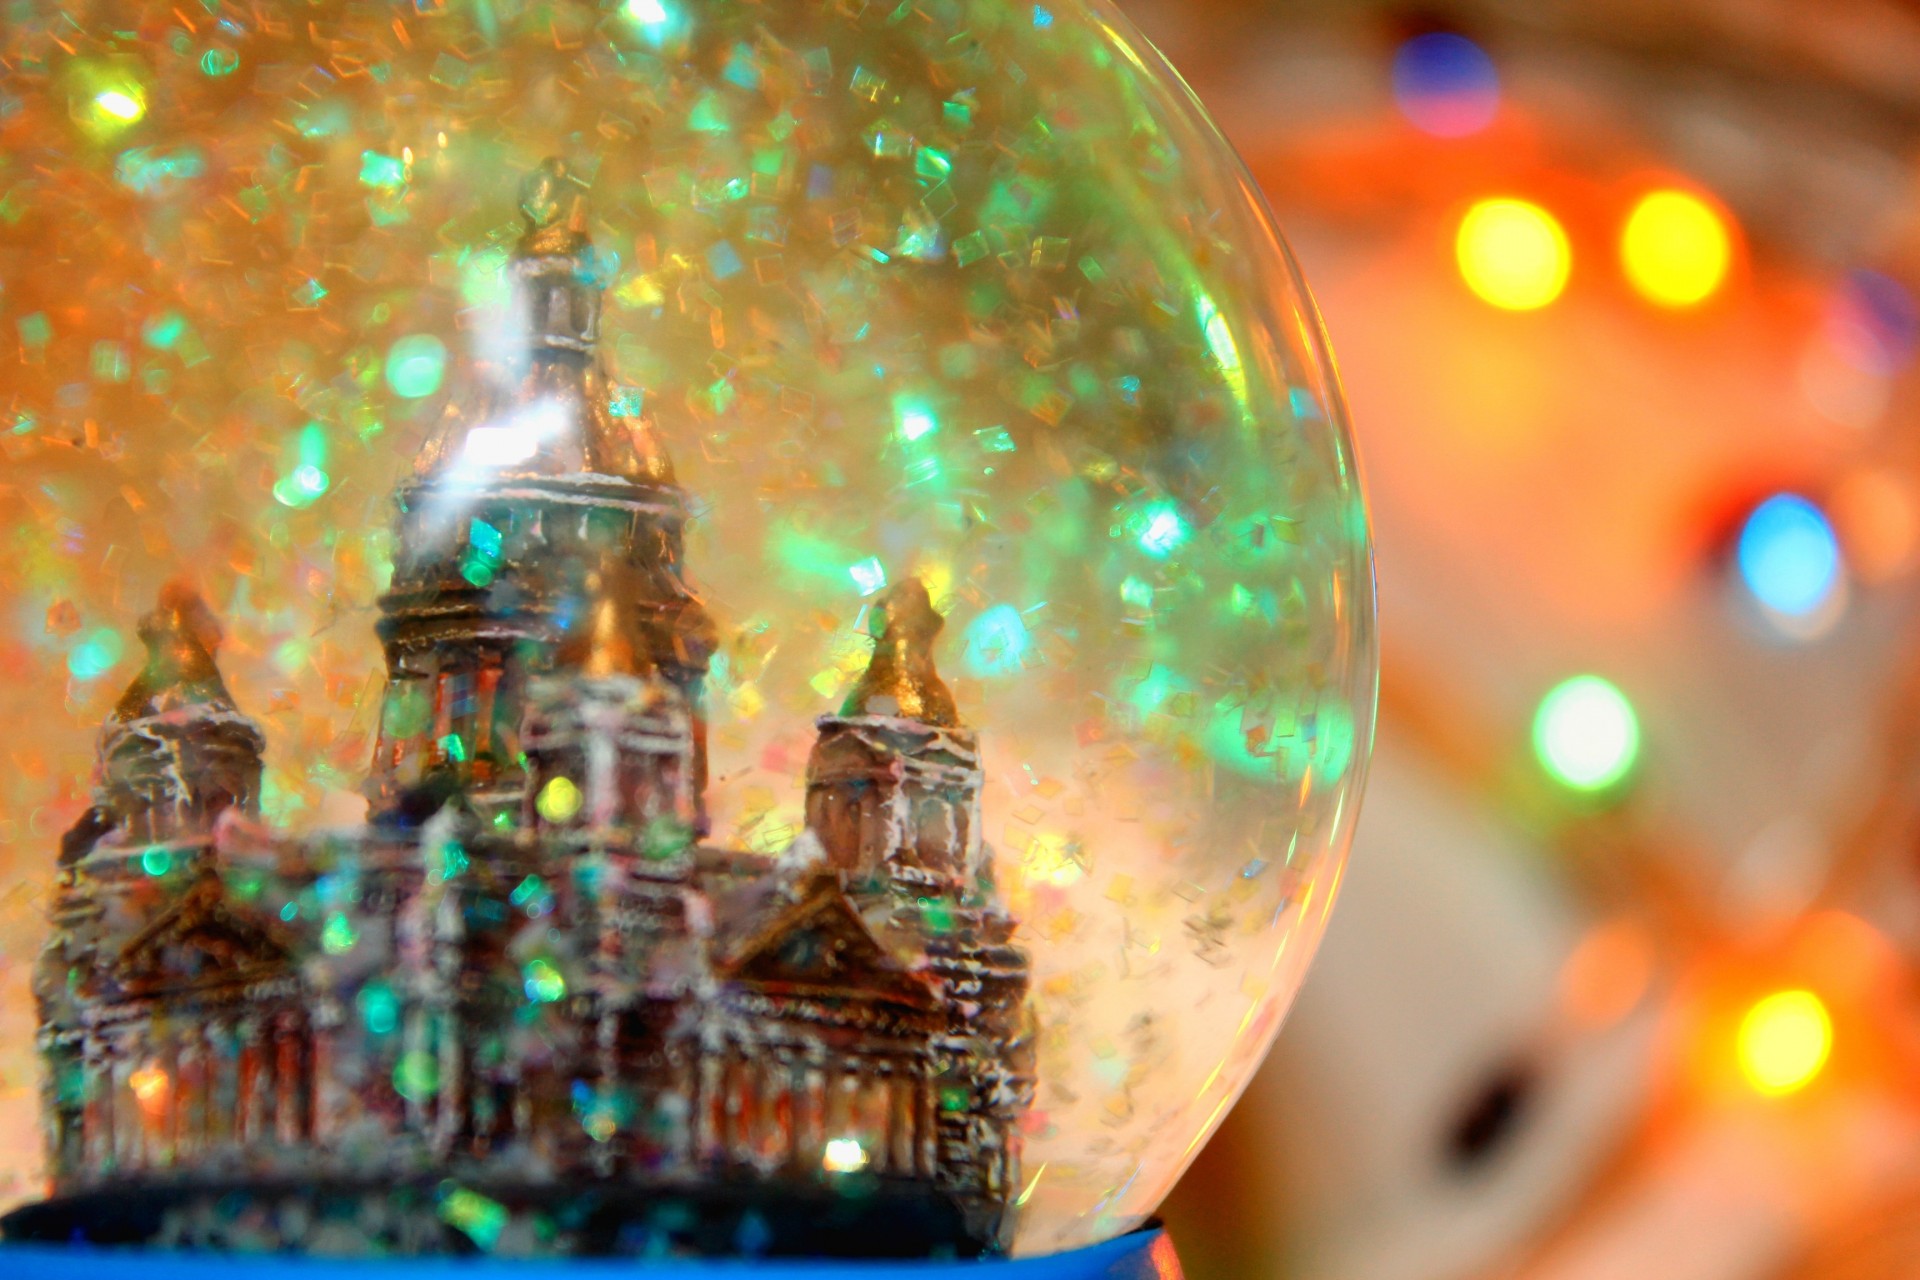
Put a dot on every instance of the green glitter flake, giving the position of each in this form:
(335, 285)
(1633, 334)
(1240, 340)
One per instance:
(416, 364)
(995, 440)
(111, 362)
(868, 86)
(869, 575)
(709, 115)
(306, 295)
(475, 1216)
(914, 418)
(219, 62)
(544, 984)
(932, 165)
(96, 655)
(379, 1008)
(382, 172)
(416, 1077)
(969, 249)
(1159, 529)
(338, 935)
(153, 171)
(998, 642)
(156, 861)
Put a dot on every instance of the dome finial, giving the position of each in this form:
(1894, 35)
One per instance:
(554, 203)
(901, 679)
(181, 636)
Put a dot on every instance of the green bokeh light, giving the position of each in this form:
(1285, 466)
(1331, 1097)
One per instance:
(1586, 734)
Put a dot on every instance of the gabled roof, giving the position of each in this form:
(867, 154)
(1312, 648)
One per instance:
(816, 943)
(202, 940)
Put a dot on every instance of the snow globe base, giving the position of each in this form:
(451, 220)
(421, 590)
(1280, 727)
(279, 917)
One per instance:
(861, 1233)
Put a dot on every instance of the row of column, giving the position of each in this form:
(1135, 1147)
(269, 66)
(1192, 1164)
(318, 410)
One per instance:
(773, 1113)
(157, 1099)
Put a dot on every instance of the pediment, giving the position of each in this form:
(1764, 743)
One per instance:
(201, 940)
(821, 947)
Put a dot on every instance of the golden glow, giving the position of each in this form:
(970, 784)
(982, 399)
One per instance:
(844, 1155)
(150, 1086)
(1513, 254)
(120, 105)
(1676, 249)
(1784, 1043)
(1055, 859)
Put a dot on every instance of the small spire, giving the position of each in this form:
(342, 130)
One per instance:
(901, 680)
(181, 636)
(554, 203)
(601, 643)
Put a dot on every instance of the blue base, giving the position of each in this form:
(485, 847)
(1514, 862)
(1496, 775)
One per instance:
(1144, 1255)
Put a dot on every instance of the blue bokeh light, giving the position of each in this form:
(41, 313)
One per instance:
(1789, 556)
(1446, 85)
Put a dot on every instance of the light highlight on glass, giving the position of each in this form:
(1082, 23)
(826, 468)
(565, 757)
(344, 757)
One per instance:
(1784, 1043)
(1586, 734)
(1676, 249)
(1789, 557)
(1513, 254)
(1445, 85)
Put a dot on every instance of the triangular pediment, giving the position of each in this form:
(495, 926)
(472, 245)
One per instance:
(821, 947)
(201, 940)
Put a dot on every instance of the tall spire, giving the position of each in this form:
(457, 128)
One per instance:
(181, 636)
(601, 642)
(559, 417)
(901, 680)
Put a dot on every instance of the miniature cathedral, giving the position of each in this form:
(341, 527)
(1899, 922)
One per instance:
(528, 978)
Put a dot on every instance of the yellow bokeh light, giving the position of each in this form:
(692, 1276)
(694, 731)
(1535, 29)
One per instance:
(1513, 254)
(120, 105)
(1676, 249)
(559, 800)
(1784, 1042)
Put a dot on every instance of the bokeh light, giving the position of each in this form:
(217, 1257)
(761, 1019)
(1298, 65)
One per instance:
(1874, 323)
(415, 365)
(844, 1155)
(1446, 85)
(120, 105)
(1676, 249)
(1586, 734)
(1513, 254)
(1876, 512)
(1784, 1042)
(1789, 557)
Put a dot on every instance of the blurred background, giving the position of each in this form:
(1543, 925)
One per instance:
(1623, 983)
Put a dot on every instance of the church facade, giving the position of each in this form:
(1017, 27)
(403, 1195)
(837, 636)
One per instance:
(530, 987)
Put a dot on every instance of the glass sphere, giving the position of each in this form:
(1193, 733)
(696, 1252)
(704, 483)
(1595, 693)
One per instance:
(961, 291)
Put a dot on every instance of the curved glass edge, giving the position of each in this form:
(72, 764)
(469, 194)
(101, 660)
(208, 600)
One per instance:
(1146, 1254)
